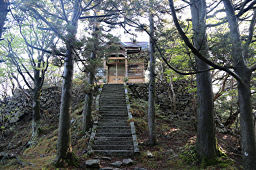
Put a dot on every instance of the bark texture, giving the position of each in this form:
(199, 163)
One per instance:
(206, 141)
(3, 13)
(87, 110)
(151, 92)
(36, 105)
(64, 148)
(244, 91)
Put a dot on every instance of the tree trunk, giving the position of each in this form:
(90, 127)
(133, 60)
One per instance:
(173, 98)
(36, 106)
(64, 148)
(206, 141)
(246, 123)
(151, 91)
(244, 91)
(3, 13)
(87, 110)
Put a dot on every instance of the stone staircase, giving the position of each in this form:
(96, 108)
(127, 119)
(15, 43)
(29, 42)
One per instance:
(113, 133)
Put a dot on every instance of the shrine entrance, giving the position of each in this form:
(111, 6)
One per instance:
(116, 71)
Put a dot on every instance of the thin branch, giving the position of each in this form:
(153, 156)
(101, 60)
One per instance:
(88, 4)
(63, 10)
(98, 16)
(251, 30)
(244, 10)
(54, 29)
(47, 51)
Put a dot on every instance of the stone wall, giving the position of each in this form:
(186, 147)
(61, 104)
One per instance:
(19, 106)
(185, 100)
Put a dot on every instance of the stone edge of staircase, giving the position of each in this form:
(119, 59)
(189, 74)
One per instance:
(134, 136)
(95, 123)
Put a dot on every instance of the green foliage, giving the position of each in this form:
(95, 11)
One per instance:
(189, 155)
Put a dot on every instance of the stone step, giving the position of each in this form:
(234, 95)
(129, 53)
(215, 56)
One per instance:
(119, 127)
(121, 100)
(112, 96)
(126, 153)
(122, 113)
(111, 105)
(113, 112)
(101, 142)
(113, 120)
(113, 115)
(112, 147)
(113, 130)
(113, 134)
(113, 108)
(117, 102)
(102, 124)
(112, 125)
(106, 138)
(109, 97)
(115, 92)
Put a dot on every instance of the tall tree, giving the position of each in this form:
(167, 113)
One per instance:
(241, 72)
(3, 13)
(63, 21)
(37, 59)
(206, 142)
(64, 148)
(87, 110)
(244, 90)
(151, 88)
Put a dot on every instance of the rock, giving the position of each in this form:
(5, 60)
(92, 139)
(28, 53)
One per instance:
(92, 163)
(127, 161)
(117, 164)
(149, 154)
(107, 168)
(106, 158)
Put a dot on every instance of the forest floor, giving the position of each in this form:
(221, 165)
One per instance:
(174, 148)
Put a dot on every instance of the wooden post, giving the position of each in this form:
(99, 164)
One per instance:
(126, 65)
(106, 69)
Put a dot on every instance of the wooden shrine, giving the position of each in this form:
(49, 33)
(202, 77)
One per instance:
(127, 64)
